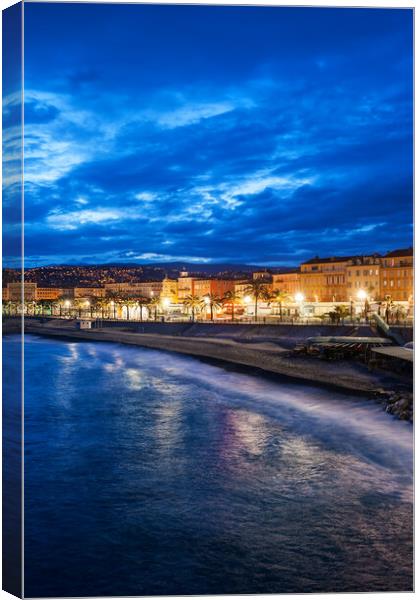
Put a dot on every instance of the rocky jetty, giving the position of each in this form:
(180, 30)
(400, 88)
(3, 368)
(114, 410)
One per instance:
(398, 403)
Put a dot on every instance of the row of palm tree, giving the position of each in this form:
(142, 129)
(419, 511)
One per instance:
(256, 289)
(195, 304)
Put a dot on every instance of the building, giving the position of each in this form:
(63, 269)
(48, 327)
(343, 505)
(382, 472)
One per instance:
(324, 279)
(15, 291)
(88, 292)
(169, 290)
(49, 293)
(216, 287)
(363, 273)
(142, 289)
(289, 283)
(397, 275)
(263, 275)
(185, 286)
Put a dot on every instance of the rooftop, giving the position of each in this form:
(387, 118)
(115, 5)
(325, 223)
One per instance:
(330, 259)
(401, 252)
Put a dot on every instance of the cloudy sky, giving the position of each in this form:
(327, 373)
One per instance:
(216, 134)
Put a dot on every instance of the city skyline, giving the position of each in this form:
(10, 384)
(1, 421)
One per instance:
(263, 144)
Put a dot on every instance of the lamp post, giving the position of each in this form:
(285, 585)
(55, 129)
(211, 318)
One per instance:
(363, 297)
(299, 299)
(112, 304)
(247, 301)
(207, 304)
(165, 305)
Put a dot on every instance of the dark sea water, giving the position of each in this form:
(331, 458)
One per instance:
(152, 473)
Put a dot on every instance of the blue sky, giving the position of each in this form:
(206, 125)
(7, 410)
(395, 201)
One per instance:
(215, 134)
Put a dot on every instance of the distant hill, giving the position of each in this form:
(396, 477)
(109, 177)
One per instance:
(91, 275)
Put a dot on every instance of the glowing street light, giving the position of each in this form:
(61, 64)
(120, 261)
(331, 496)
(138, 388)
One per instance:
(166, 302)
(67, 304)
(247, 299)
(206, 300)
(299, 298)
(363, 297)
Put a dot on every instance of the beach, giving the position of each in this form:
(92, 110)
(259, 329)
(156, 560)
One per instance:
(269, 355)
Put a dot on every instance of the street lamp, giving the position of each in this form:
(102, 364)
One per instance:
(363, 297)
(299, 298)
(165, 305)
(66, 305)
(112, 304)
(247, 299)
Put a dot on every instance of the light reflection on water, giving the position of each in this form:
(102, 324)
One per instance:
(151, 473)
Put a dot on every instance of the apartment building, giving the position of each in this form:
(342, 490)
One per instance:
(289, 283)
(185, 286)
(87, 292)
(49, 293)
(14, 291)
(397, 275)
(364, 273)
(217, 287)
(143, 289)
(169, 290)
(324, 279)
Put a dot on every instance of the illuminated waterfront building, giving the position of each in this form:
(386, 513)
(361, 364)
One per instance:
(397, 275)
(143, 289)
(169, 290)
(324, 279)
(88, 292)
(216, 287)
(363, 273)
(185, 286)
(15, 291)
(49, 293)
(289, 283)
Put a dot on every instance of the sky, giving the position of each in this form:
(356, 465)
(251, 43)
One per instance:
(214, 134)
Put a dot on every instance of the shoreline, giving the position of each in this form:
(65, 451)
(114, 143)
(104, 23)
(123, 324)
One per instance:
(262, 358)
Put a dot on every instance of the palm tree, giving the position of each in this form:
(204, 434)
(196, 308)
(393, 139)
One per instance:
(79, 304)
(142, 301)
(389, 305)
(154, 303)
(340, 313)
(7, 307)
(30, 304)
(192, 302)
(128, 303)
(210, 301)
(101, 304)
(43, 304)
(259, 291)
(114, 299)
(279, 297)
(231, 297)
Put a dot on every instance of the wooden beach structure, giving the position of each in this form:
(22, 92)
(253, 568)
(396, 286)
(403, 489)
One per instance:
(340, 347)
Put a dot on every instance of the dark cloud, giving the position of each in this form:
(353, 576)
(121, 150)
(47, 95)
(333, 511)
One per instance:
(240, 134)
